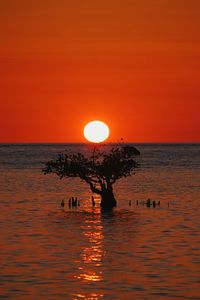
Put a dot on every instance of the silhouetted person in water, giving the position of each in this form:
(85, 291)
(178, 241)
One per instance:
(129, 203)
(93, 202)
(154, 203)
(70, 202)
(158, 203)
(62, 203)
(137, 202)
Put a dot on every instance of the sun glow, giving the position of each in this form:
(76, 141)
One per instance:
(96, 131)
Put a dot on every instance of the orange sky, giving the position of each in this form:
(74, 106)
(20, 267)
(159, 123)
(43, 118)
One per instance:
(132, 64)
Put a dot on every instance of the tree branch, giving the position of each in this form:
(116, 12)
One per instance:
(92, 187)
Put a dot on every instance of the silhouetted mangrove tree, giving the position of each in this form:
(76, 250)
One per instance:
(100, 170)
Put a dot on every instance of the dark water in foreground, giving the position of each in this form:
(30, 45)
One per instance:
(133, 253)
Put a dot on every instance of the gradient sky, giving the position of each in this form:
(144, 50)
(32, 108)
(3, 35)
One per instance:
(132, 64)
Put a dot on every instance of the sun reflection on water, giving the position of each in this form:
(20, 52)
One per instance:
(90, 276)
(91, 256)
(92, 296)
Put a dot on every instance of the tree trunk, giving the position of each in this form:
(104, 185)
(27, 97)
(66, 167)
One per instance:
(108, 201)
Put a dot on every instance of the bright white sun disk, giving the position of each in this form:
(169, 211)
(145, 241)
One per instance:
(96, 131)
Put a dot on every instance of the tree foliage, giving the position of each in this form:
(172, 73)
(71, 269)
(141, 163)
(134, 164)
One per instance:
(100, 170)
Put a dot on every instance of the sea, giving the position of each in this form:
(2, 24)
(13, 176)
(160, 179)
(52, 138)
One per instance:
(135, 252)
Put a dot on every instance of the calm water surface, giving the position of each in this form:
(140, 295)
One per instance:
(133, 253)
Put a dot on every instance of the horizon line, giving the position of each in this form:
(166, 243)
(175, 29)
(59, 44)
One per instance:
(119, 142)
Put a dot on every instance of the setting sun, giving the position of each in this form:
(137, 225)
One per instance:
(96, 131)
